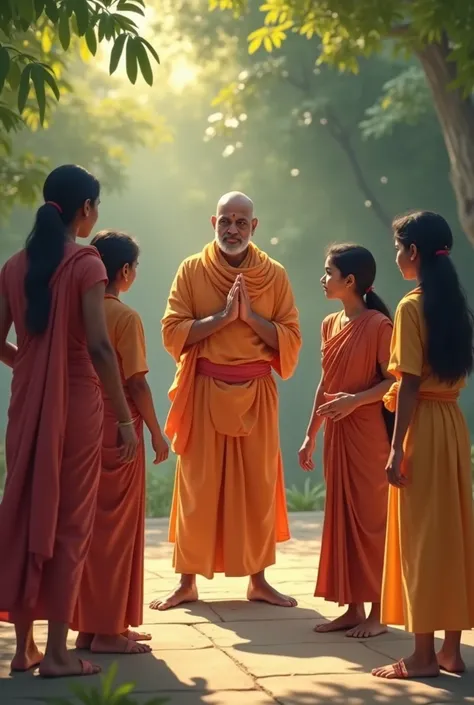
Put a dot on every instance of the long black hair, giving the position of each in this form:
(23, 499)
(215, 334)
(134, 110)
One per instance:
(116, 250)
(448, 319)
(65, 191)
(358, 261)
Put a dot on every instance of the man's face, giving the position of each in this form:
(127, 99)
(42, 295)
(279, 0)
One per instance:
(233, 229)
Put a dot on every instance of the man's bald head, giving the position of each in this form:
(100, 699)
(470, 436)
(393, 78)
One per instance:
(234, 223)
(235, 200)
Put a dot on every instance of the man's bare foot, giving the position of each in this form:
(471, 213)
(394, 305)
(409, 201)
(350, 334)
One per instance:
(262, 591)
(181, 594)
(137, 636)
(117, 644)
(28, 660)
(451, 663)
(407, 668)
(68, 667)
(370, 627)
(349, 620)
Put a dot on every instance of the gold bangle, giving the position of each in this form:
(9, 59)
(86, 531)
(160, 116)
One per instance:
(125, 423)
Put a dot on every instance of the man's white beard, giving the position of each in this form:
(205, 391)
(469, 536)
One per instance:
(232, 249)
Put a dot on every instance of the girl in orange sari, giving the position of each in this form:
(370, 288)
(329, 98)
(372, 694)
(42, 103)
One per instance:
(355, 354)
(111, 595)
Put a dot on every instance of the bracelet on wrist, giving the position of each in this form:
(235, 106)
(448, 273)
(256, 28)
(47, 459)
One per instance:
(121, 424)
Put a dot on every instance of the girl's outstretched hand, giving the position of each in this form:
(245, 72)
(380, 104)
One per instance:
(338, 406)
(305, 454)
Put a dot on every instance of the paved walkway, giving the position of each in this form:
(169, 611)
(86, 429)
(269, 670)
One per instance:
(226, 651)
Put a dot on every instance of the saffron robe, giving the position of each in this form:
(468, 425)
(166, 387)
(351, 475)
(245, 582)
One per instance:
(53, 444)
(229, 506)
(428, 582)
(356, 450)
(111, 595)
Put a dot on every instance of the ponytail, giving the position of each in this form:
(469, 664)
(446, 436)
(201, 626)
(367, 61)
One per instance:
(448, 319)
(375, 303)
(44, 251)
(65, 192)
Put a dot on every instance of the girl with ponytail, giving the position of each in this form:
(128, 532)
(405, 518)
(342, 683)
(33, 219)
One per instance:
(428, 581)
(53, 293)
(355, 354)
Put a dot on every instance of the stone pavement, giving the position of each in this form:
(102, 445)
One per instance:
(226, 651)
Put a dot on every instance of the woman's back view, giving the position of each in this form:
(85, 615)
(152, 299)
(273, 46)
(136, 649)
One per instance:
(53, 291)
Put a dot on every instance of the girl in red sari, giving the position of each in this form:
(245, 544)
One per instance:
(355, 356)
(53, 293)
(111, 595)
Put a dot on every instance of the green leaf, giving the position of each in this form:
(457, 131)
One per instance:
(123, 690)
(132, 63)
(39, 7)
(108, 680)
(24, 87)
(14, 75)
(37, 76)
(26, 10)
(51, 81)
(150, 49)
(103, 27)
(144, 62)
(91, 40)
(4, 66)
(128, 7)
(64, 31)
(51, 10)
(81, 11)
(116, 52)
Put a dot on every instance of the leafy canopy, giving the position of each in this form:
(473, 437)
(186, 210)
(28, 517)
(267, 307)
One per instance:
(349, 29)
(93, 20)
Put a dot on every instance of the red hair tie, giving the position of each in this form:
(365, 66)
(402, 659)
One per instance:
(442, 252)
(369, 290)
(56, 205)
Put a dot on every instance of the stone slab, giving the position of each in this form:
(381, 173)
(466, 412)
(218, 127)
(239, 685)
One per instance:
(261, 633)
(197, 671)
(300, 659)
(363, 689)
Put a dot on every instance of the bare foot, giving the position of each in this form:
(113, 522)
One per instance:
(349, 620)
(264, 592)
(370, 627)
(137, 636)
(407, 668)
(117, 644)
(452, 663)
(183, 593)
(28, 660)
(67, 668)
(84, 641)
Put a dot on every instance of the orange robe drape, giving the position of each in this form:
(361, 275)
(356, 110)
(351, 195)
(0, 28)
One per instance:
(52, 447)
(229, 505)
(111, 596)
(356, 449)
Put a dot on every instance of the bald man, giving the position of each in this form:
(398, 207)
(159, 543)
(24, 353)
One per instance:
(230, 323)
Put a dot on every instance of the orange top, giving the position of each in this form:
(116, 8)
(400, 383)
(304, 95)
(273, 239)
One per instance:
(127, 336)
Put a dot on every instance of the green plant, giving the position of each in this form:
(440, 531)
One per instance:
(105, 694)
(159, 490)
(310, 499)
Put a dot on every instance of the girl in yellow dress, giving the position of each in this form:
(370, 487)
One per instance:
(428, 582)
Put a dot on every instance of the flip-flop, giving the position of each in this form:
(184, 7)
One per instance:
(400, 669)
(87, 669)
(137, 636)
(129, 647)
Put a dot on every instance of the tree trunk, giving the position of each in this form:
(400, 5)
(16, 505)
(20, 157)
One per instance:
(456, 117)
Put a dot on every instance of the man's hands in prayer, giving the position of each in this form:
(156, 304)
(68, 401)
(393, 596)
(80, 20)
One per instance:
(160, 448)
(245, 309)
(338, 406)
(231, 312)
(305, 454)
